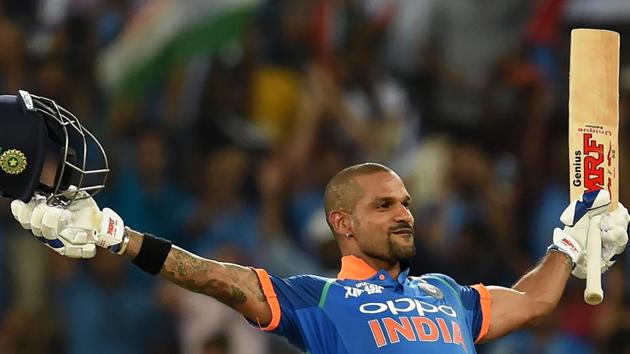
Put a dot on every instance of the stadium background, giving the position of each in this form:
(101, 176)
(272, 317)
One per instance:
(223, 120)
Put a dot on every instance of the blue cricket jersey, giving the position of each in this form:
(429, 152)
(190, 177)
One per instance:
(366, 311)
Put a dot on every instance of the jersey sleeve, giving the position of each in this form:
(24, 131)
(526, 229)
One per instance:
(476, 301)
(287, 297)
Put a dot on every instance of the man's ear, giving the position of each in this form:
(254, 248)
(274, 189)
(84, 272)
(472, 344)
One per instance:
(340, 222)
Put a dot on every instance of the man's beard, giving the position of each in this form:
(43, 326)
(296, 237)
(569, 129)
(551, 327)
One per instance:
(398, 252)
(392, 252)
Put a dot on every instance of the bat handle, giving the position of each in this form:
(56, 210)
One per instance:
(593, 294)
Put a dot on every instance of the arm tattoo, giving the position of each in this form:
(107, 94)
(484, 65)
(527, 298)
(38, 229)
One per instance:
(229, 283)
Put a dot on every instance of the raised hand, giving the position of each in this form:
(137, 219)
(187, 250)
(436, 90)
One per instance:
(50, 226)
(613, 226)
(74, 230)
(578, 216)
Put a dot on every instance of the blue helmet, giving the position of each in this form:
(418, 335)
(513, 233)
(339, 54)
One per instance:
(38, 136)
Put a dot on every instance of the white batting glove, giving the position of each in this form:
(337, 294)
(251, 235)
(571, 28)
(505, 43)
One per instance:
(72, 231)
(111, 232)
(577, 217)
(48, 225)
(613, 227)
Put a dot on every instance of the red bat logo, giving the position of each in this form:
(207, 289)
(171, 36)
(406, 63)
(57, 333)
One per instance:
(593, 160)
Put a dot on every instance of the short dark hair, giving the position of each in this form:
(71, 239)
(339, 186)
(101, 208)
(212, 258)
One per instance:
(343, 184)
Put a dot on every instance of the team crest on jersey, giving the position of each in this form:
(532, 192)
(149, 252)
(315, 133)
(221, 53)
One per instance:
(13, 161)
(362, 288)
(431, 290)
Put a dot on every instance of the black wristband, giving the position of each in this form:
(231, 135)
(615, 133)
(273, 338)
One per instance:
(153, 253)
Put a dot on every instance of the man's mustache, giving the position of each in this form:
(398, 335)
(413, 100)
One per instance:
(401, 227)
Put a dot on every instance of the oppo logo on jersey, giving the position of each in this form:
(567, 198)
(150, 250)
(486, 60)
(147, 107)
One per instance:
(406, 305)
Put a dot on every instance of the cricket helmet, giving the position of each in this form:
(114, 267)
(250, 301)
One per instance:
(37, 136)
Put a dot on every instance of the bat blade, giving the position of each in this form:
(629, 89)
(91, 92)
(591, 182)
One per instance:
(593, 131)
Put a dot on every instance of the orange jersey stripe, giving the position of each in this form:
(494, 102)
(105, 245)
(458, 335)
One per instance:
(486, 302)
(272, 299)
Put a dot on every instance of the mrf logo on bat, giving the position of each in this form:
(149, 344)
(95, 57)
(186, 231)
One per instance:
(590, 163)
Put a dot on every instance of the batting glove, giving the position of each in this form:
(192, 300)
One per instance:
(50, 226)
(73, 231)
(577, 217)
(613, 227)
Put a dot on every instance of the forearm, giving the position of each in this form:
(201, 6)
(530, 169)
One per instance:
(233, 285)
(533, 297)
(545, 284)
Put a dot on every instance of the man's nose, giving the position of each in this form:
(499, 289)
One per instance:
(404, 214)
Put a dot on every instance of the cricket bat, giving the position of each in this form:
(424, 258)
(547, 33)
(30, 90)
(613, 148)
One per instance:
(593, 131)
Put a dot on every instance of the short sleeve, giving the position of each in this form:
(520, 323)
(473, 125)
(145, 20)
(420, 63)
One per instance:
(485, 301)
(476, 301)
(287, 297)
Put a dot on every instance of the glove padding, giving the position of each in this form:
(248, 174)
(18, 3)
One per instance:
(72, 231)
(54, 227)
(577, 218)
(111, 232)
(614, 231)
(613, 227)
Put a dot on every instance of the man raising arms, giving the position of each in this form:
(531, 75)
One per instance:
(373, 306)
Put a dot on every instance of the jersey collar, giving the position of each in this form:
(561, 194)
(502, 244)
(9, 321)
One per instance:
(355, 268)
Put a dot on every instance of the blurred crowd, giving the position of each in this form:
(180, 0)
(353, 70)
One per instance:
(223, 141)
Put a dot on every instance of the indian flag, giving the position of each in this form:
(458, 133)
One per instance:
(167, 32)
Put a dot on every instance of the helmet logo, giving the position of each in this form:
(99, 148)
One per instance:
(13, 162)
(27, 100)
